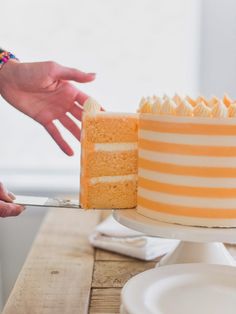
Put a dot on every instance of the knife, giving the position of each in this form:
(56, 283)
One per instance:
(46, 201)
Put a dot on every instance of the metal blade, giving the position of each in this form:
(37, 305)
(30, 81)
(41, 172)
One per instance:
(46, 201)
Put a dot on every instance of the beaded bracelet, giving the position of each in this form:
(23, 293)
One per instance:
(5, 56)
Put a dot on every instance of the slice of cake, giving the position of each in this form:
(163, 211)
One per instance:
(187, 162)
(108, 159)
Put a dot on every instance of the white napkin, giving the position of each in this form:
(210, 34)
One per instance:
(112, 236)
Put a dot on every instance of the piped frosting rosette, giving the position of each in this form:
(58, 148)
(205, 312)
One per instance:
(187, 106)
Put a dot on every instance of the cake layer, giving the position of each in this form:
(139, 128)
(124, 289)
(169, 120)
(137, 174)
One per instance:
(187, 169)
(109, 160)
(110, 195)
(100, 163)
(110, 128)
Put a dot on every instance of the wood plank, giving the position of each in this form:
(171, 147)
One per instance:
(57, 274)
(102, 255)
(115, 274)
(105, 301)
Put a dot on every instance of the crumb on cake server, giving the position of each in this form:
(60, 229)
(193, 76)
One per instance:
(108, 158)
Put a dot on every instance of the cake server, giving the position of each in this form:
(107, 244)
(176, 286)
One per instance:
(46, 201)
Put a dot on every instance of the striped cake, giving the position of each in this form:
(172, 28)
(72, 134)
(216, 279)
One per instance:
(108, 159)
(187, 162)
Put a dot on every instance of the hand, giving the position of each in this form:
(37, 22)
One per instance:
(42, 91)
(7, 208)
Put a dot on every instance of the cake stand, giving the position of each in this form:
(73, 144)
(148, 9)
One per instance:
(198, 246)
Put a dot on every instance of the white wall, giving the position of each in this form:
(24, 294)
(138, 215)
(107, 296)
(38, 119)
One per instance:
(218, 48)
(137, 47)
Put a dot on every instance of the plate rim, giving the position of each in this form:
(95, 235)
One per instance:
(174, 269)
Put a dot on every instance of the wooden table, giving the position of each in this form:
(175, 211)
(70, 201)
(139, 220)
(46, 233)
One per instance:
(63, 274)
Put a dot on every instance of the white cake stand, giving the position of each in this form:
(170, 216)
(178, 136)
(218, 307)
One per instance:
(197, 245)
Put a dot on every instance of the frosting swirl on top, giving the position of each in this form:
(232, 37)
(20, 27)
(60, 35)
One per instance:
(213, 101)
(168, 107)
(184, 109)
(227, 101)
(201, 110)
(157, 105)
(177, 99)
(232, 110)
(91, 105)
(145, 105)
(189, 107)
(219, 110)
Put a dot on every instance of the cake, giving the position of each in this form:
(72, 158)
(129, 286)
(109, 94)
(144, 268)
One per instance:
(187, 161)
(108, 158)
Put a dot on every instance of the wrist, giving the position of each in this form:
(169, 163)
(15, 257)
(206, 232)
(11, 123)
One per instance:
(6, 73)
(6, 56)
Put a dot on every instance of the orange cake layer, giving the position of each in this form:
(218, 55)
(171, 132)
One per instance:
(109, 160)
(110, 128)
(112, 195)
(111, 163)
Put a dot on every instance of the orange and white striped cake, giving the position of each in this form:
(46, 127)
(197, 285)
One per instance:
(108, 159)
(187, 161)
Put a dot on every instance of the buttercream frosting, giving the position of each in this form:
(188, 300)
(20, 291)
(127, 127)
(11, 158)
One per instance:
(213, 101)
(232, 110)
(91, 105)
(184, 109)
(168, 107)
(219, 110)
(227, 101)
(201, 110)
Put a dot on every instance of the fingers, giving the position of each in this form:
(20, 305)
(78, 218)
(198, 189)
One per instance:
(56, 135)
(10, 209)
(76, 111)
(70, 125)
(4, 194)
(71, 74)
(81, 97)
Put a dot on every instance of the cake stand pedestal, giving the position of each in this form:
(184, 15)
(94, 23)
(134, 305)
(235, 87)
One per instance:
(198, 247)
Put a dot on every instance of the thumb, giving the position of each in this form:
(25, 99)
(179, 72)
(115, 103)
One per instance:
(71, 74)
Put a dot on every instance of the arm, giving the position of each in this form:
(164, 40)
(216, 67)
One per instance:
(43, 91)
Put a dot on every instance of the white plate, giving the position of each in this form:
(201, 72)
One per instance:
(182, 289)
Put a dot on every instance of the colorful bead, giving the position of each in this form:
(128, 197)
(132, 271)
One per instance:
(5, 56)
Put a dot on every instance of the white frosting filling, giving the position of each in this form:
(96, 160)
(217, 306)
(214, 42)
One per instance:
(182, 180)
(111, 179)
(189, 139)
(187, 120)
(113, 147)
(188, 201)
(198, 161)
